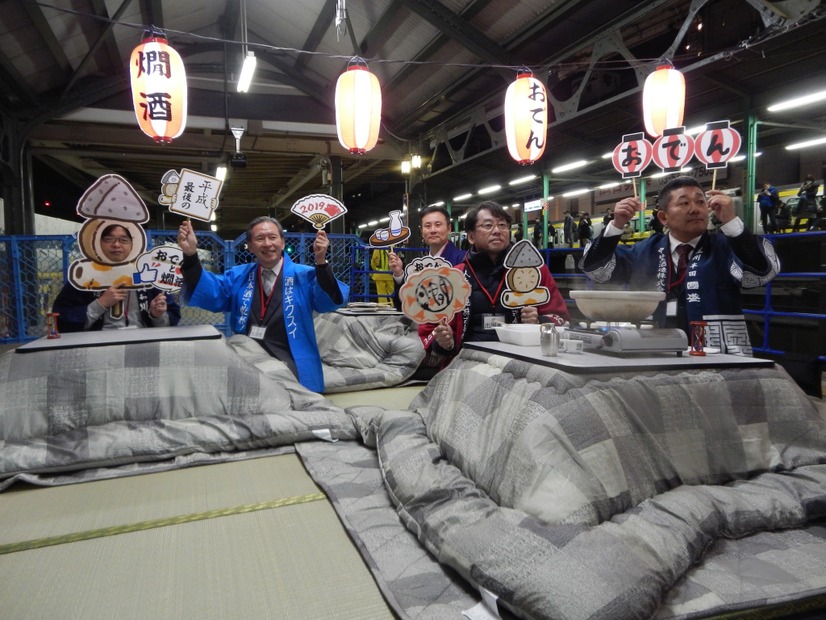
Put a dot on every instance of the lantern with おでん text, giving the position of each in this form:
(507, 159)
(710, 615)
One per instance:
(526, 117)
(663, 99)
(158, 88)
(358, 107)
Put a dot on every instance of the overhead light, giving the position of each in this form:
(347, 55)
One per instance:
(362, 225)
(659, 175)
(693, 131)
(806, 144)
(572, 166)
(441, 203)
(416, 161)
(516, 205)
(489, 190)
(221, 173)
(384, 219)
(575, 192)
(607, 185)
(373, 223)
(247, 71)
(525, 179)
(737, 158)
(607, 155)
(462, 197)
(663, 99)
(798, 101)
(213, 227)
(406, 166)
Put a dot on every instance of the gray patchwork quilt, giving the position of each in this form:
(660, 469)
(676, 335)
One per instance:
(669, 495)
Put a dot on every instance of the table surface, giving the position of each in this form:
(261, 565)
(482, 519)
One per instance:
(120, 336)
(590, 361)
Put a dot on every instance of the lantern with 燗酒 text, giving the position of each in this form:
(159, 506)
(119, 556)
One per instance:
(663, 99)
(158, 88)
(358, 107)
(526, 117)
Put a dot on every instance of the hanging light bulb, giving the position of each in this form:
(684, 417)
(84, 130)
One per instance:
(663, 99)
(158, 88)
(358, 107)
(526, 117)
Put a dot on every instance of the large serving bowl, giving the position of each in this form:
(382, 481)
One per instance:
(617, 306)
(523, 334)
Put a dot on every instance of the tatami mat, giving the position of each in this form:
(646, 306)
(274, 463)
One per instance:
(284, 562)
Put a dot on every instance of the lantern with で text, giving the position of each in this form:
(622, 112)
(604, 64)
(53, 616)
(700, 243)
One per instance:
(158, 88)
(526, 117)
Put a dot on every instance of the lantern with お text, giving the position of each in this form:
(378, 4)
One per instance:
(526, 117)
(158, 88)
(358, 107)
(663, 99)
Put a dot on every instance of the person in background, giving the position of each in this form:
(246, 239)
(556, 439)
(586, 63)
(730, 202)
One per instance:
(568, 229)
(380, 264)
(768, 200)
(90, 311)
(609, 215)
(783, 217)
(272, 299)
(520, 232)
(537, 233)
(487, 227)
(584, 230)
(807, 205)
(700, 273)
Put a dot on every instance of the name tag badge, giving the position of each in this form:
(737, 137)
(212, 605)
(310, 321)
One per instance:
(257, 332)
(671, 308)
(493, 320)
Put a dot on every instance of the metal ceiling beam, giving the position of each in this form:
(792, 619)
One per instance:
(319, 29)
(49, 38)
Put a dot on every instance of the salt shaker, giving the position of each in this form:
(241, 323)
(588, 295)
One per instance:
(549, 340)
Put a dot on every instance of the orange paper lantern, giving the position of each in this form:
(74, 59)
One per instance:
(358, 108)
(663, 100)
(526, 117)
(158, 88)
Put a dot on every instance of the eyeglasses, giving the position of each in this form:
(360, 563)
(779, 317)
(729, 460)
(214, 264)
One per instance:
(121, 240)
(489, 226)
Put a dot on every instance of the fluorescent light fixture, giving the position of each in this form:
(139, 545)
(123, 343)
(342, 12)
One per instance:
(530, 177)
(607, 185)
(575, 192)
(221, 173)
(406, 166)
(384, 219)
(213, 227)
(441, 203)
(462, 197)
(362, 225)
(806, 144)
(373, 223)
(572, 166)
(505, 207)
(516, 205)
(489, 189)
(416, 162)
(798, 101)
(659, 175)
(737, 158)
(213, 217)
(608, 155)
(247, 70)
(693, 131)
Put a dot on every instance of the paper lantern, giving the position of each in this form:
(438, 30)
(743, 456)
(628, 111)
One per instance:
(358, 108)
(663, 100)
(158, 88)
(526, 118)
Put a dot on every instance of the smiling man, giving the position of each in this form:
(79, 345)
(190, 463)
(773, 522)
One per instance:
(488, 229)
(271, 300)
(705, 284)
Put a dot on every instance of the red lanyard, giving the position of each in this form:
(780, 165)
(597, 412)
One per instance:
(484, 290)
(265, 299)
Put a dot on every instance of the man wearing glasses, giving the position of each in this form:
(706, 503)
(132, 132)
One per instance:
(488, 229)
(90, 311)
(271, 300)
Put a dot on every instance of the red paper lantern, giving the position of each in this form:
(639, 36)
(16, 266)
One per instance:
(158, 88)
(358, 107)
(526, 117)
(663, 100)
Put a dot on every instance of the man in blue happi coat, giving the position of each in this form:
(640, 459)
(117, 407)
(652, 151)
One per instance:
(271, 300)
(706, 287)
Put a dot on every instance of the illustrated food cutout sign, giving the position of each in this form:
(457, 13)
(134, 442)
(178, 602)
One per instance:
(318, 209)
(190, 193)
(160, 266)
(523, 261)
(110, 200)
(394, 234)
(433, 290)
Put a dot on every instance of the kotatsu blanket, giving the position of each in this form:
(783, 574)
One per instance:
(610, 496)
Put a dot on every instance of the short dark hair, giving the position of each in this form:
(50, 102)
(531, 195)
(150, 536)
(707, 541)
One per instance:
(496, 210)
(108, 230)
(260, 220)
(665, 193)
(435, 209)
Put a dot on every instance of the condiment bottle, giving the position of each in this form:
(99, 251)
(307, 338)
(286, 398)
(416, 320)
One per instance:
(549, 340)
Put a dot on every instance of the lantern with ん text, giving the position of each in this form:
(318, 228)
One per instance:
(526, 117)
(158, 88)
(663, 99)
(358, 107)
